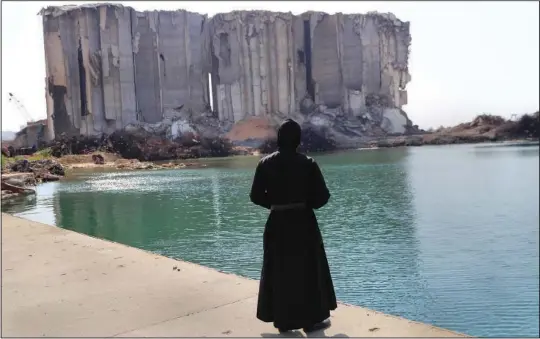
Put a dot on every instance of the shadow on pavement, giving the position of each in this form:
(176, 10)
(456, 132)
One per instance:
(298, 334)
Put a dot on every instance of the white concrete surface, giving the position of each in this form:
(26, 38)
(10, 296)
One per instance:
(58, 283)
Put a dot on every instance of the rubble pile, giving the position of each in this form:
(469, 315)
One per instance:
(16, 177)
(493, 127)
(82, 144)
(98, 159)
(134, 164)
(158, 85)
(185, 76)
(13, 187)
(43, 170)
(144, 145)
(483, 128)
(310, 142)
(147, 147)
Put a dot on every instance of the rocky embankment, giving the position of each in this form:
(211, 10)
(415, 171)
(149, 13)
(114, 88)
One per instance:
(20, 175)
(146, 145)
(134, 164)
(137, 149)
(484, 128)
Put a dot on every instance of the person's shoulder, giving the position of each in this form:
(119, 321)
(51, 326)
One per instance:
(268, 158)
(307, 158)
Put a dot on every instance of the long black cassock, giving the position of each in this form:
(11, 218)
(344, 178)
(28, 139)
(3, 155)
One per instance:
(296, 288)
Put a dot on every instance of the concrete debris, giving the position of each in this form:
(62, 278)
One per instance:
(22, 173)
(145, 143)
(483, 128)
(20, 179)
(98, 159)
(29, 138)
(134, 164)
(178, 74)
(312, 141)
(38, 167)
(10, 190)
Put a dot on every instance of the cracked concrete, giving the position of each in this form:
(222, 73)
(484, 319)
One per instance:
(58, 283)
(138, 67)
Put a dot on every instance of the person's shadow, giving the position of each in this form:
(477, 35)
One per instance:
(298, 334)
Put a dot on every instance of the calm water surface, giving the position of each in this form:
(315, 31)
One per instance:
(443, 235)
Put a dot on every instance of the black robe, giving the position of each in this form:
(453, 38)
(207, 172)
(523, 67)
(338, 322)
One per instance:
(296, 288)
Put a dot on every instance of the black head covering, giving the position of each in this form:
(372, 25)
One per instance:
(289, 135)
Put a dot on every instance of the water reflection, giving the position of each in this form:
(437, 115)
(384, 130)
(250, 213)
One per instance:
(34, 207)
(20, 204)
(377, 266)
(364, 157)
(474, 243)
(205, 216)
(445, 235)
(506, 150)
(185, 214)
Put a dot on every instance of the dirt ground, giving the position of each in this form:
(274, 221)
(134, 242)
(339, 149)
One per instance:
(85, 160)
(254, 128)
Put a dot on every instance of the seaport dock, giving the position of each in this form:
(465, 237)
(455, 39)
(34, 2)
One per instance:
(59, 283)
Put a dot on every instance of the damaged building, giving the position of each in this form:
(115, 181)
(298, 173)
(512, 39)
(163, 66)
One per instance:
(110, 67)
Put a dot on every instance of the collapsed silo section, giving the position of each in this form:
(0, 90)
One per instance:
(252, 64)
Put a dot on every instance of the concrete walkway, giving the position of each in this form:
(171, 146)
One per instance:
(59, 283)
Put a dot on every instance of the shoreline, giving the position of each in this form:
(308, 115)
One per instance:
(443, 140)
(404, 151)
(53, 278)
(74, 164)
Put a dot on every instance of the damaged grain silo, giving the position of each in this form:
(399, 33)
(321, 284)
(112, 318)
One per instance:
(110, 67)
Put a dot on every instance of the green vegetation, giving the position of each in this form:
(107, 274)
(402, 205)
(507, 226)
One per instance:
(4, 161)
(39, 155)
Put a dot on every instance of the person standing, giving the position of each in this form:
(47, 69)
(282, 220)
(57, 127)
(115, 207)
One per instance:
(296, 289)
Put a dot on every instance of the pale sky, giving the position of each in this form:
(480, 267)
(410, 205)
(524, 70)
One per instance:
(466, 57)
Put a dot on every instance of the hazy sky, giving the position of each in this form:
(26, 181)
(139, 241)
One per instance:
(466, 57)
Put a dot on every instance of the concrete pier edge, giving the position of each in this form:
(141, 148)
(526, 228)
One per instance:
(83, 293)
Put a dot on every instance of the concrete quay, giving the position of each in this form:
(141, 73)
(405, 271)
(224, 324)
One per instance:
(58, 283)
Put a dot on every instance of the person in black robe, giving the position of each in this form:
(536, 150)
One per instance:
(296, 289)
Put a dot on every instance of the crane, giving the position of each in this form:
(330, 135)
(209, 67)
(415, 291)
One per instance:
(20, 107)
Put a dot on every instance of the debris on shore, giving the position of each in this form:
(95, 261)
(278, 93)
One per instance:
(14, 186)
(483, 128)
(17, 176)
(43, 170)
(142, 145)
(134, 164)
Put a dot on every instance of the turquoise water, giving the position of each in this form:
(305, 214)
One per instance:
(445, 235)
